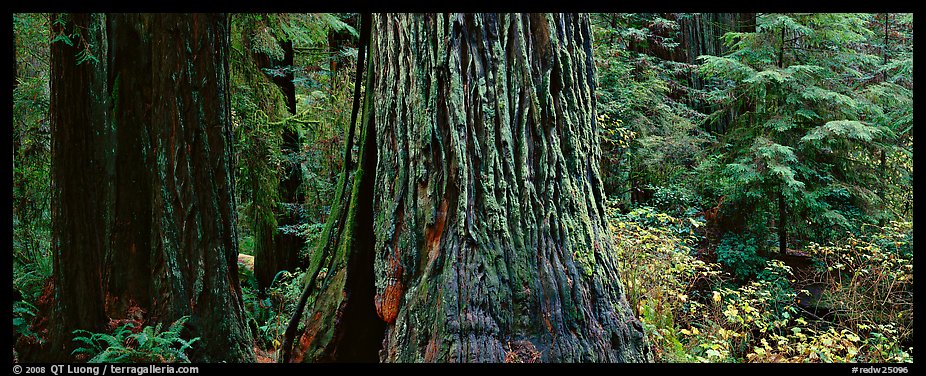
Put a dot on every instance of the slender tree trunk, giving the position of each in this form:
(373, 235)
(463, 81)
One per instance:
(781, 49)
(488, 241)
(283, 80)
(282, 253)
(81, 144)
(884, 48)
(291, 191)
(782, 210)
(883, 156)
(272, 206)
(782, 223)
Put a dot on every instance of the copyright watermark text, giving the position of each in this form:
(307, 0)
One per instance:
(103, 369)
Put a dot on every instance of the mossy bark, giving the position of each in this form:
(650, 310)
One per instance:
(271, 180)
(488, 227)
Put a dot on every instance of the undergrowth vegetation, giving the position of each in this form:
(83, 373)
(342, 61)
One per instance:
(697, 311)
(269, 313)
(150, 344)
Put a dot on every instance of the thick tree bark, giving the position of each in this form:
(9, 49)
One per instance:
(80, 134)
(131, 81)
(488, 239)
(151, 115)
(193, 236)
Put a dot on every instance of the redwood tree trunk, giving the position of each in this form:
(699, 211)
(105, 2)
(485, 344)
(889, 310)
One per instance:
(193, 236)
(80, 135)
(488, 236)
(782, 223)
(131, 82)
(166, 226)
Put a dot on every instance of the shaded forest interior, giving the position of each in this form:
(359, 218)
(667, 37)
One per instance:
(342, 187)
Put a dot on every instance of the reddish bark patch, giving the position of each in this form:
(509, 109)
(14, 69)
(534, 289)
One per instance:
(387, 303)
(430, 352)
(433, 234)
(307, 337)
(263, 356)
(389, 309)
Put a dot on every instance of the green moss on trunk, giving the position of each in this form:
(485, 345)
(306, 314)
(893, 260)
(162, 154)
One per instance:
(487, 201)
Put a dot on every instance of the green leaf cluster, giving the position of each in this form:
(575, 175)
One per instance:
(150, 344)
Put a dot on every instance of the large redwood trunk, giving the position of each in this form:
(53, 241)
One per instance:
(131, 80)
(144, 202)
(487, 235)
(80, 135)
(193, 236)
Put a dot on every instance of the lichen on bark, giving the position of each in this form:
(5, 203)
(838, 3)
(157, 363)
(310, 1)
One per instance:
(488, 217)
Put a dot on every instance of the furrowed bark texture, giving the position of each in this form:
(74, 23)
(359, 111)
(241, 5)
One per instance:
(489, 233)
(80, 134)
(193, 239)
(143, 205)
(490, 224)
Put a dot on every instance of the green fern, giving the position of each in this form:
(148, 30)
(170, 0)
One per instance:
(148, 345)
(23, 312)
